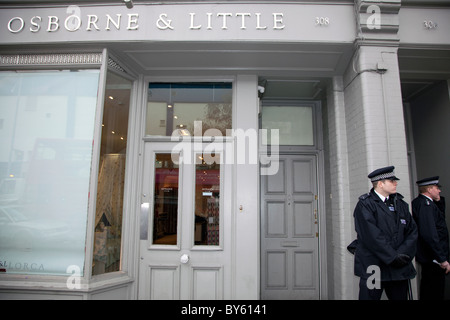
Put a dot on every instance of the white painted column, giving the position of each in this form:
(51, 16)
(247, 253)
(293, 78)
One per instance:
(375, 126)
(374, 115)
(340, 229)
(246, 245)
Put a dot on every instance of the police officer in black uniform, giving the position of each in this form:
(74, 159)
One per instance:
(386, 239)
(433, 242)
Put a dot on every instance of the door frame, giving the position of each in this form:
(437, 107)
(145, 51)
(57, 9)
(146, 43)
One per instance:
(317, 150)
(139, 135)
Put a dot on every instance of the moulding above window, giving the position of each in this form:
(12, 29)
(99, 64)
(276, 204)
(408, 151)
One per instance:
(51, 59)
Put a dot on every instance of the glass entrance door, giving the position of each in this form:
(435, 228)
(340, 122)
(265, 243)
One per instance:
(185, 223)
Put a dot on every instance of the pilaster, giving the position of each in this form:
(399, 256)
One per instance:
(340, 230)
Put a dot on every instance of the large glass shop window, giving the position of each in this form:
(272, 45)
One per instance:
(111, 176)
(188, 109)
(46, 133)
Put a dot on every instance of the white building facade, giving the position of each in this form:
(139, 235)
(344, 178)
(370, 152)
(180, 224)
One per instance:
(208, 150)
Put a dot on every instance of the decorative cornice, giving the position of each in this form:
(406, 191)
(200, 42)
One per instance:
(115, 65)
(51, 59)
(378, 20)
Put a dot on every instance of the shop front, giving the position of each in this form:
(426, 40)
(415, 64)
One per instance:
(198, 150)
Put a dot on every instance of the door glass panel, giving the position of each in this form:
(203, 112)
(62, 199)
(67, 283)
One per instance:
(165, 210)
(207, 201)
(295, 124)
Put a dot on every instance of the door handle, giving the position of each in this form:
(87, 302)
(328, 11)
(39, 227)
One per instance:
(184, 259)
(145, 206)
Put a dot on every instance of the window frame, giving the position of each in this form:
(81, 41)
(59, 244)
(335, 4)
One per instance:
(316, 125)
(102, 61)
(110, 64)
(125, 205)
(220, 149)
(168, 80)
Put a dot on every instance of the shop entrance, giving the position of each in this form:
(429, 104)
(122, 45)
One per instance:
(185, 222)
(289, 230)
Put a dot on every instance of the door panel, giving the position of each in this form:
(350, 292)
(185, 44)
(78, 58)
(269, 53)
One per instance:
(304, 264)
(207, 282)
(276, 219)
(276, 184)
(276, 266)
(289, 242)
(303, 170)
(185, 223)
(164, 282)
(304, 222)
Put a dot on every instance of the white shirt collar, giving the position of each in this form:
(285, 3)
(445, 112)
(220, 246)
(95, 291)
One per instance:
(381, 196)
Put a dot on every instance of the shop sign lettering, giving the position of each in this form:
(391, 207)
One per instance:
(243, 18)
(76, 21)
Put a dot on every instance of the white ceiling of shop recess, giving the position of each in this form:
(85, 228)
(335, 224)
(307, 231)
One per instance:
(275, 59)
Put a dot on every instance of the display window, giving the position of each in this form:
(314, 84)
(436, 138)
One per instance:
(111, 176)
(47, 121)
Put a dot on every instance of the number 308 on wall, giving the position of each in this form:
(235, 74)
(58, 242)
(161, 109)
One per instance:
(322, 21)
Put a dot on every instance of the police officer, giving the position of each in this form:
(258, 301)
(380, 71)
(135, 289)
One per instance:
(386, 239)
(433, 245)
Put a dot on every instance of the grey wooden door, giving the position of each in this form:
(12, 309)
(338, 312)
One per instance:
(289, 230)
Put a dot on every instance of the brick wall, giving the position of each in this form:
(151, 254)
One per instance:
(365, 131)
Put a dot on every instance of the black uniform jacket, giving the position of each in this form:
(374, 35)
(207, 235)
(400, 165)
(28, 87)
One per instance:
(433, 234)
(383, 234)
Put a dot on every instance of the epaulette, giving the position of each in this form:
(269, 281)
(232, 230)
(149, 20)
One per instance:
(364, 196)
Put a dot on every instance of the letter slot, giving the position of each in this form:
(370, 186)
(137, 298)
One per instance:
(290, 244)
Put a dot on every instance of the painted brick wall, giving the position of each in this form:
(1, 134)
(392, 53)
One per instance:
(365, 131)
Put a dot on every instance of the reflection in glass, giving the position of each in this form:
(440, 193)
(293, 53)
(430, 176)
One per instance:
(173, 107)
(111, 177)
(207, 201)
(165, 210)
(46, 132)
